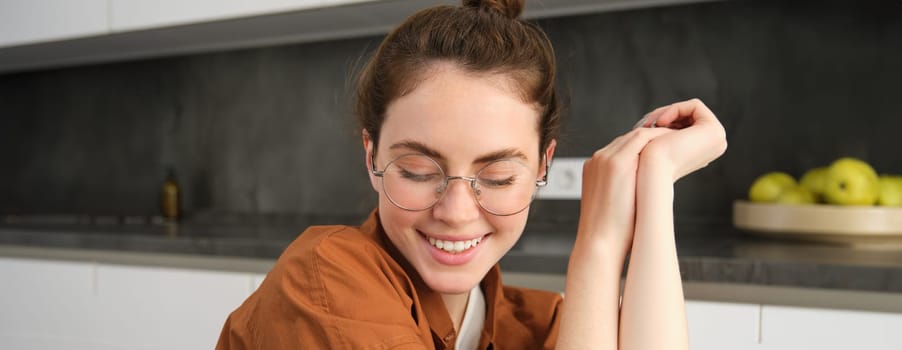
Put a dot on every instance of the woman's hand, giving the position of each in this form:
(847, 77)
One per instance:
(590, 317)
(621, 196)
(614, 196)
(653, 300)
(698, 138)
(608, 204)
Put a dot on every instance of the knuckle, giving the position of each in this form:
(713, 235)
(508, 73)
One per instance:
(606, 160)
(645, 132)
(587, 165)
(599, 154)
(636, 134)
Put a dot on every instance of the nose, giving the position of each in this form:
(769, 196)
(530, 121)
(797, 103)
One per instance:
(457, 205)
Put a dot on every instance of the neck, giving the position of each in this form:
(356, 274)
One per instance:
(457, 306)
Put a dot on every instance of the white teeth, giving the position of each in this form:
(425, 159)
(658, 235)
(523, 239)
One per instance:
(454, 246)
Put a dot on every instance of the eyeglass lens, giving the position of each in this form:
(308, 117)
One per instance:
(417, 182)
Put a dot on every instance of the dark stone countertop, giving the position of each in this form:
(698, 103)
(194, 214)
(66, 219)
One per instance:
(715, 253)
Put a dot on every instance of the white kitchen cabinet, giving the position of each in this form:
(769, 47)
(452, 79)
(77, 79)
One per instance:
(34, 21)
(55, 304)
(721, 325)
(790, 328)
(165, 308)
(144, 14)
(47, 305)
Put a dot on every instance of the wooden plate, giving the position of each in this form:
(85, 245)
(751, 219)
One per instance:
(871, 225)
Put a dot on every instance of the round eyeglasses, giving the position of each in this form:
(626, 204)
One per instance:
(416, 182)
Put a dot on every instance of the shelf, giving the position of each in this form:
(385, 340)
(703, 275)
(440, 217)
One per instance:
(347, 19)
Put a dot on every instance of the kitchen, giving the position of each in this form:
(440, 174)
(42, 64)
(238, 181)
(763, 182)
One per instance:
(250, 107)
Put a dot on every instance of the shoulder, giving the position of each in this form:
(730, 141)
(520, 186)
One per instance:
(317, 242)
(333, 287)
(529, 316)
(330, 257)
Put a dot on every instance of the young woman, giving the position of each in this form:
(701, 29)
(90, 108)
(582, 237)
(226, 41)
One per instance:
(459, 117)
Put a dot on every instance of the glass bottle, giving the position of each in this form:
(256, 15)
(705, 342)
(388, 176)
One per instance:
(170, 197)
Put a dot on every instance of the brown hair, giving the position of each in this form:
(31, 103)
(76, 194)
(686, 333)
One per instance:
(481, 36)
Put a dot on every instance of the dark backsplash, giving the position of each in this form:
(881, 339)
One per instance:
(269, 130)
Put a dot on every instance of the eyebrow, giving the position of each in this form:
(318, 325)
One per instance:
(419, 147)
(493, 156)
(502, 154)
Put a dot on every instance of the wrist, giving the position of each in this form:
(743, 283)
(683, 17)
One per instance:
(597, 245)
(653, 166)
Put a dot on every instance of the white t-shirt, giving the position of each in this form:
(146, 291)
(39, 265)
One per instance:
(474, 318)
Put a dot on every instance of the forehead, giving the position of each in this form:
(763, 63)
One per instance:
(463, 115)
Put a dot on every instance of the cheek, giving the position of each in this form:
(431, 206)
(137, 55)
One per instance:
(396, 221)
(509, 228)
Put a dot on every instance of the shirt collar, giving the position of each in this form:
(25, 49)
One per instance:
(491, 287)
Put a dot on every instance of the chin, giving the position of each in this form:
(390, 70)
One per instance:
(451, 282)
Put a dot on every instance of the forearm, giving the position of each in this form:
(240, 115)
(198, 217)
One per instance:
(653, 314)
(591, 308)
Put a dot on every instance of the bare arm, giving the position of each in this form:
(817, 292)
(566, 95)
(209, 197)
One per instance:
(653, 314)
(653, 310)
(627, 205)
(591, 309)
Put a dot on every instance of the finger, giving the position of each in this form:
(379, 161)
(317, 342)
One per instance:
(629, 144)
(634, 141)
(618, 141)
(695, 147)
(686, 113)
(613, 145)
(649, 119)
(702, 116)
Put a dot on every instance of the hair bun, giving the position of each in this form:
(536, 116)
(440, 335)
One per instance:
(508, 8)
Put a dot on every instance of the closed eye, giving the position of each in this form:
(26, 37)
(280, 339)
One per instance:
(498, 182)
(418, 177)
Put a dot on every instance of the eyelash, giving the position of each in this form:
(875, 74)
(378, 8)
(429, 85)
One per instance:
(505, 182)
(416, 177)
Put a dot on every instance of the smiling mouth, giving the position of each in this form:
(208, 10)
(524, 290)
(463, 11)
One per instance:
(454, 247)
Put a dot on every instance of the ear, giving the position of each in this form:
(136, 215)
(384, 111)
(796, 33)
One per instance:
(369, 148)
(549, 154)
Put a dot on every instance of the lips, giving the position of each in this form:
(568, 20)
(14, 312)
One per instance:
(452, 252)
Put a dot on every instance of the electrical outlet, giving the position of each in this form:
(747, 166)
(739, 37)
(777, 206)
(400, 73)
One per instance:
(565, 179)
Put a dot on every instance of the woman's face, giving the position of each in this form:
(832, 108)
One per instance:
(461, 119)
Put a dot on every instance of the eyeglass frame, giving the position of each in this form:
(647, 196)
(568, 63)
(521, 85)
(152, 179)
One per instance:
(446, 181)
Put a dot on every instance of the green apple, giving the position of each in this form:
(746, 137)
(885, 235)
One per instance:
(890, 190)
(796, 195)
(815, 181)
(851, 181)
(769, 187)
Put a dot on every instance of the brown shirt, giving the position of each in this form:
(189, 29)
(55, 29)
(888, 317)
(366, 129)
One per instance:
(340, 287)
